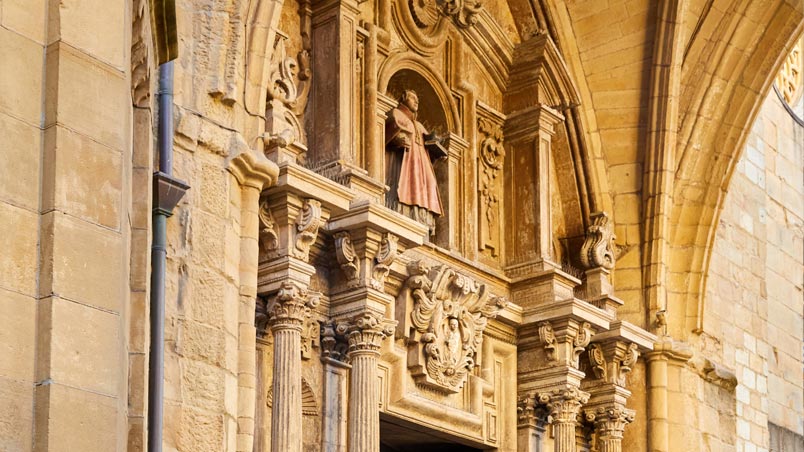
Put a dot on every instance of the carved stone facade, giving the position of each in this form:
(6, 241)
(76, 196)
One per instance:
(596, 250)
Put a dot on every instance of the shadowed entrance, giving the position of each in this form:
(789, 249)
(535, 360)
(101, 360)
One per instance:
(395, 437)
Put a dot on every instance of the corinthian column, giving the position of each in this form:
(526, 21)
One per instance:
(609, 425)
(287, 314)
(365, 334)
(564, 406)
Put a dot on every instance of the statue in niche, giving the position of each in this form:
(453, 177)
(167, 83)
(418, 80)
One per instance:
(454, 343)
(410, 152)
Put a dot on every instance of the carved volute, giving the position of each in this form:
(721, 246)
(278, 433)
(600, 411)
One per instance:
(598, 249)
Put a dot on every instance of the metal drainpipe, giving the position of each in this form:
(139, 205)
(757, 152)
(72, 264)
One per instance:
(167, 191)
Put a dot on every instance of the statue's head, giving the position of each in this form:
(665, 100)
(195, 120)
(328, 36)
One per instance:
(453, 323)
(410, 99)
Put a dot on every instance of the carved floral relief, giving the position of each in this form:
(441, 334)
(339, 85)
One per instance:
(491, 156)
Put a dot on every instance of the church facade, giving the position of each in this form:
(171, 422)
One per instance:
(397, 225)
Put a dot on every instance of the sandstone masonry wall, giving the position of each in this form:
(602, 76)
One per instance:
(753, 310)
(65, 163)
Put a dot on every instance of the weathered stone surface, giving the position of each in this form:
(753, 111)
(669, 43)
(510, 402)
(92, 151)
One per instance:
(21, 87)
(18, 338)
(634, 108)
(105, 18)
(20, 157)
(77, 419)
(16, 414)
(96, 112)
(75, 269)
(81, 348)
(19, 263)
(82, 178)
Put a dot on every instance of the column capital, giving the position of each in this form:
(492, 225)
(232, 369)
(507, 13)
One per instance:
(530, 413)
(291, 306)
(365, 332)
(564, 404)
(610, 421)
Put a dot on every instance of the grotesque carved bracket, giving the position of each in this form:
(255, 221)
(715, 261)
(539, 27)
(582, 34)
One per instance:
(269, 237)
(599, 249)
(427, 13)
(288, 90)
(307, 225)
(310, 336)
(347, 258)
(386, 254)
(449, 314)
(581, 340)
(611, 363)
(491, 156)
(261, 317)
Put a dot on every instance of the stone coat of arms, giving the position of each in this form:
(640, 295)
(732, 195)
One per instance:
(448, 315)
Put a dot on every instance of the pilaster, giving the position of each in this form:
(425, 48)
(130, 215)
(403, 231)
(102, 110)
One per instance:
(253, 172)
(528, 136)
(335, 121)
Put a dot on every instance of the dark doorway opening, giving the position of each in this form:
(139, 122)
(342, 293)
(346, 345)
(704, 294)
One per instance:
(400, 436)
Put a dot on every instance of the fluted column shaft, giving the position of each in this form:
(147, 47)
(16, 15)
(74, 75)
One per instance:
(365, 334)
(564, 432)
(564, 406)
(287, 313)
(286, 411)
(364, 413)
(610, 425)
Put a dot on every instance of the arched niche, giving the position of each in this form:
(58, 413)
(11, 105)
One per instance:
(438, 114)
(431, 111)
(408, 66)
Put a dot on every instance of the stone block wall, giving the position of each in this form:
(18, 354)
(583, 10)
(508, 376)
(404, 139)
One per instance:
(65, 163)
(754, 302)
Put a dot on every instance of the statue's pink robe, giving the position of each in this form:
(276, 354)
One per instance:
(417, 180)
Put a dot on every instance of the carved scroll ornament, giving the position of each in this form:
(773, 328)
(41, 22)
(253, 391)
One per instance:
(347, 258)
(613, 367)
(598, 249)
(385, 256)
(307, 225)
(269, 238)
(568, 346)
(449, 314)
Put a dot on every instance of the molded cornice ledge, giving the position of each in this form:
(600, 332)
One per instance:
(304, 183)
(668, 348)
